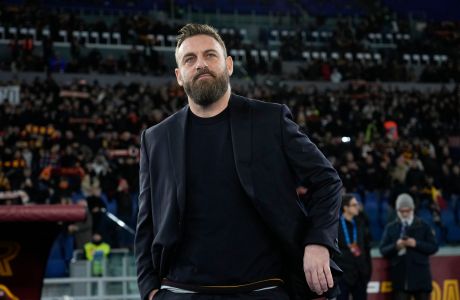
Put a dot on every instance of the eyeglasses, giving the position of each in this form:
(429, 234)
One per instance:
(405, 210)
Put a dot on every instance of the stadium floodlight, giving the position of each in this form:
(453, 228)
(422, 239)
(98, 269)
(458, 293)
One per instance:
(346, 139)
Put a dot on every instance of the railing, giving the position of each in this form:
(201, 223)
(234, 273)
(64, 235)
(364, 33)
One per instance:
(118, 280)
(101, 288)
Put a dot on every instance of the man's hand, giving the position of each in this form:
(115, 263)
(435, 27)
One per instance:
(152, 294)
(411, 242)
(72, 228)
(317, 269)
(400, 243)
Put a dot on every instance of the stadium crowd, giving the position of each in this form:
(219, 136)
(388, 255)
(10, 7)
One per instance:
(344, 35)
(79, 141)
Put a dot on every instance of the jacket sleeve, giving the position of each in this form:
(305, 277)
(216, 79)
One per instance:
(388, 244)
(428, 245)
(147, 276)
(316, 173)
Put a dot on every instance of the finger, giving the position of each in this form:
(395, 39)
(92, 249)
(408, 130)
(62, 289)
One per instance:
(309, 281)
(322, 280)
(329, 278)
(316, 284)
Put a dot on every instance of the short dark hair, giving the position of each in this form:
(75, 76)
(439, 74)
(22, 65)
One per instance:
(346, 199)
(192, 29)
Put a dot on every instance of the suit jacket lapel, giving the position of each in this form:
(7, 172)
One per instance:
(241, 130)
(176, 140)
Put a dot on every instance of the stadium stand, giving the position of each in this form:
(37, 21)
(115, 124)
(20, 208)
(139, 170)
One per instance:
(65, 141)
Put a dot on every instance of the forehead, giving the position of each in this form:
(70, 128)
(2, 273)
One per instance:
(197, 44)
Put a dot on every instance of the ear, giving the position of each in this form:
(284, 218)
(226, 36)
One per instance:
(229, 65)
(178, 76)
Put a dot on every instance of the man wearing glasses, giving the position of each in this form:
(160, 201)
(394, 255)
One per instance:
(408, 242)
(354, 243)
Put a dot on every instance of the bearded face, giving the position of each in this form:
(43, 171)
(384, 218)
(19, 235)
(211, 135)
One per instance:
(203, 69)
(206, 87)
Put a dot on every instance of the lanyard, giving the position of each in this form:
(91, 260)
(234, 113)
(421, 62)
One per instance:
(345, 231)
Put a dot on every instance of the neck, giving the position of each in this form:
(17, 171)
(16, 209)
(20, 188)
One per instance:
(348, 217)
(211, 110)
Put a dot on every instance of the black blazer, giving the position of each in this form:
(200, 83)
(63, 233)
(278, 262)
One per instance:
(272, 158)
(410, 272)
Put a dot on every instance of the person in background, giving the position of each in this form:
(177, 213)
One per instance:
(96, 252)
(407, 243)
(82, 230)
(354, 245)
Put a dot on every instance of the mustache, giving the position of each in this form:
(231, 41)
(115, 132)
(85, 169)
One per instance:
(203, 72)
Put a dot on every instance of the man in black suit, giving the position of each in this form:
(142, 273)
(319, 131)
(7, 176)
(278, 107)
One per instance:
(219, 216)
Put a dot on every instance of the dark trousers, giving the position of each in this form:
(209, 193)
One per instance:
(400, 295)
(271, 294)
(358, 291)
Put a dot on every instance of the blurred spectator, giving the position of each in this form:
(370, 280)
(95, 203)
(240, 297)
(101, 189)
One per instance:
(354, 245)
(338, 35)
(78, 139)
(96, 251)
(125, 213)
(82, 231)
(407, 243)
(336, 76)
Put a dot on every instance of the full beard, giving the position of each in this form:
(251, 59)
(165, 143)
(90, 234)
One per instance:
(207, 91)
(407, 219)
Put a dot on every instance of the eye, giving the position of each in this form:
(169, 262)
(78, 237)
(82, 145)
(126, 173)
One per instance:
(189, 60)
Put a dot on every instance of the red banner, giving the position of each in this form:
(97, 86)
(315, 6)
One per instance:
(446, 277)
(27, 233)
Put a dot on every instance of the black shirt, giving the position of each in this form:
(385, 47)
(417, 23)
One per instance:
(224, 240)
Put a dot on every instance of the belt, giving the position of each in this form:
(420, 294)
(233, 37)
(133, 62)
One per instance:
(224, 289)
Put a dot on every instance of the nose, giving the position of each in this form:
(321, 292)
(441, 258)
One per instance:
(201, 63)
